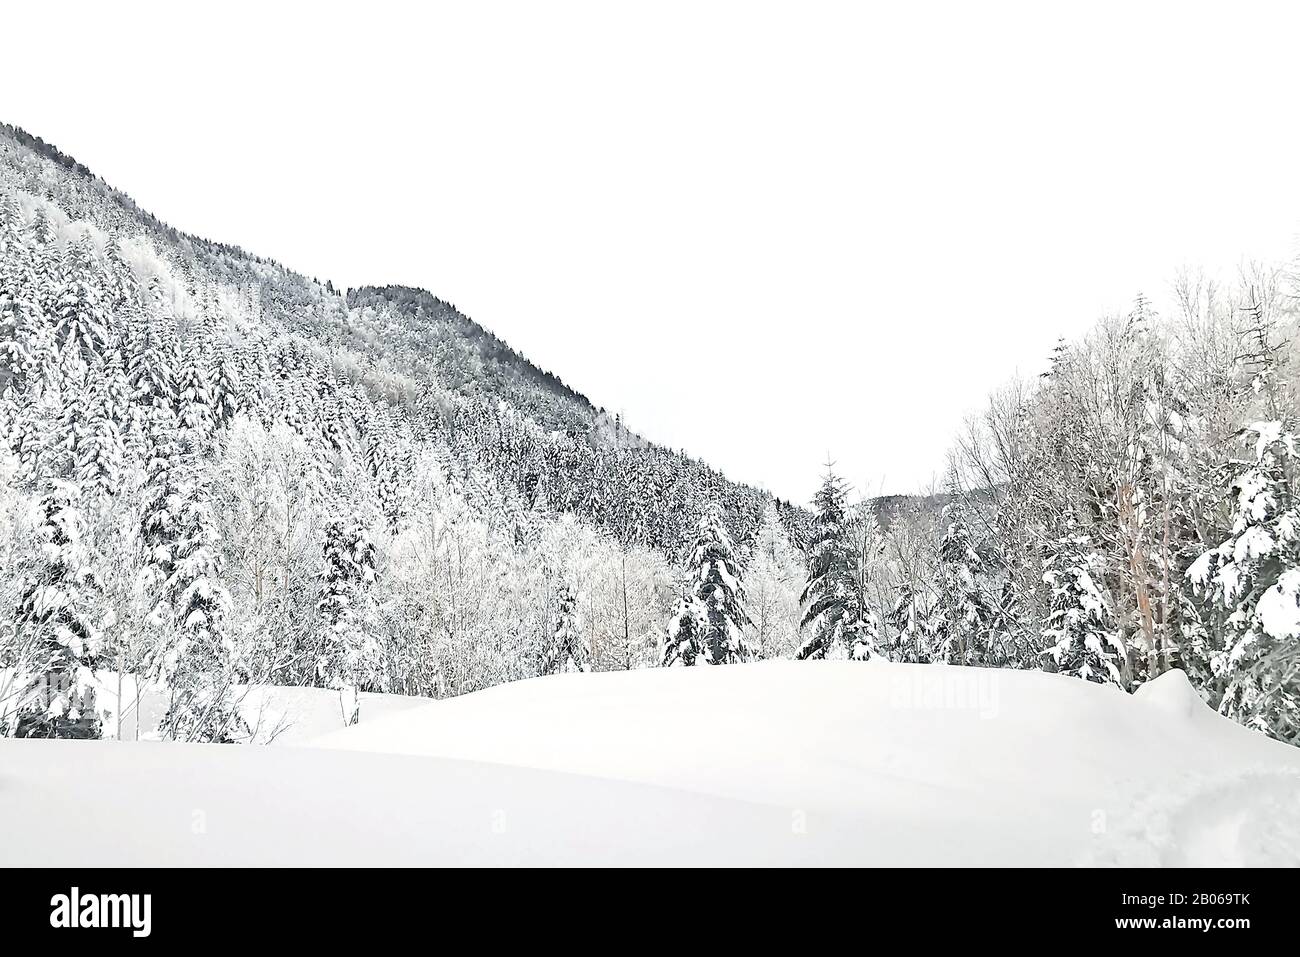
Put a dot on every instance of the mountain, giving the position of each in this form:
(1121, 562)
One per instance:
(219, 470)
(426, 339)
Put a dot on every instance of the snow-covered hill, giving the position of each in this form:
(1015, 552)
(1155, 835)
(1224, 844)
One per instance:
(772, 763)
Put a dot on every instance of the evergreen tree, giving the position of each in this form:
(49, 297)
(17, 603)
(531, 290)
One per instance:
(199, 664)
(349, 656)
(568, 649)
(123, 287)
(1251, 583)
(709, 625)
(834, 612)
(98, 459)
(195, 656)
(57, 602)
(227, 399)
(152, 362)
(196, 407)
(910, 620)
(81, 319)
(687, 633)
(162, 497)
(1084, 641)
(16, 281)
(965, 615)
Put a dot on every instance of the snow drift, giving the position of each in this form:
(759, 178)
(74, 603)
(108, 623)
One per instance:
(772, 763)
(131, 709)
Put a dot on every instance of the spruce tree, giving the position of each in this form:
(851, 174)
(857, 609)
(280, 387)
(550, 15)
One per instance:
(123, 287)
(16, 281)
(709, 625)
(833, 603)
(199, 665)
(152, 362)
(227, 399)
(1251, 585)
(195, 656)
(568, 649)
(965, 616)
(81, 318)
(1084, 640)
(58, 595)
(910, 622)
(348, 658)
(98, 459)
(194, 398)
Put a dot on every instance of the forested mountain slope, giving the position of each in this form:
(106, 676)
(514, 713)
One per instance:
(220, 471)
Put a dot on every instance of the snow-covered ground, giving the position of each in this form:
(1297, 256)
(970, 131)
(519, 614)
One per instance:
(272, 714)
(772, 763)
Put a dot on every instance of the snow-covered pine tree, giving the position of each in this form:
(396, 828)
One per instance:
(162, 496)
(684, 644)
(152, 360)
(964, 617)
(349, 657)
(196, 407)
(1083, 639)
(182, 577)
(81, 319)
(57, 601)
(383, 456)
(44, 233)
(709, 625)
(122, 285)
(16, 280)
(227, 398)
(834, 611)
(98, 458)
(568, 648)
(199, 666)
(27, 302)
(909, 623)
(1251, 581)
(11, 215)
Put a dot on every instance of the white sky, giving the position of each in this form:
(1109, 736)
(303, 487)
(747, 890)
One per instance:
(764, 232)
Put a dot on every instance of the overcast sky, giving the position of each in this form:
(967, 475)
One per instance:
(764, 232)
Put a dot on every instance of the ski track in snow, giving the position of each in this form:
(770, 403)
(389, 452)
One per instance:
(1249, 819)
(1253, 821)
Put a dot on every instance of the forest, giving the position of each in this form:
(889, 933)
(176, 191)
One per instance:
(216, 473)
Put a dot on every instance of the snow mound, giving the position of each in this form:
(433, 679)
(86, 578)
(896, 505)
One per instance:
(936, 764)
(273, 714)
(1173, 694)
(769, 763)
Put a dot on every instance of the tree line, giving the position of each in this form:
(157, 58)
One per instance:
(216, 474)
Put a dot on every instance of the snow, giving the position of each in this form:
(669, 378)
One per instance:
(274, 714)
(1268, 432)
(1173, 694)
(1279, 606)
(768, 763)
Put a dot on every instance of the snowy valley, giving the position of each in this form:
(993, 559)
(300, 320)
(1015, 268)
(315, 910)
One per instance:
(297, 574)
(771, 763)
